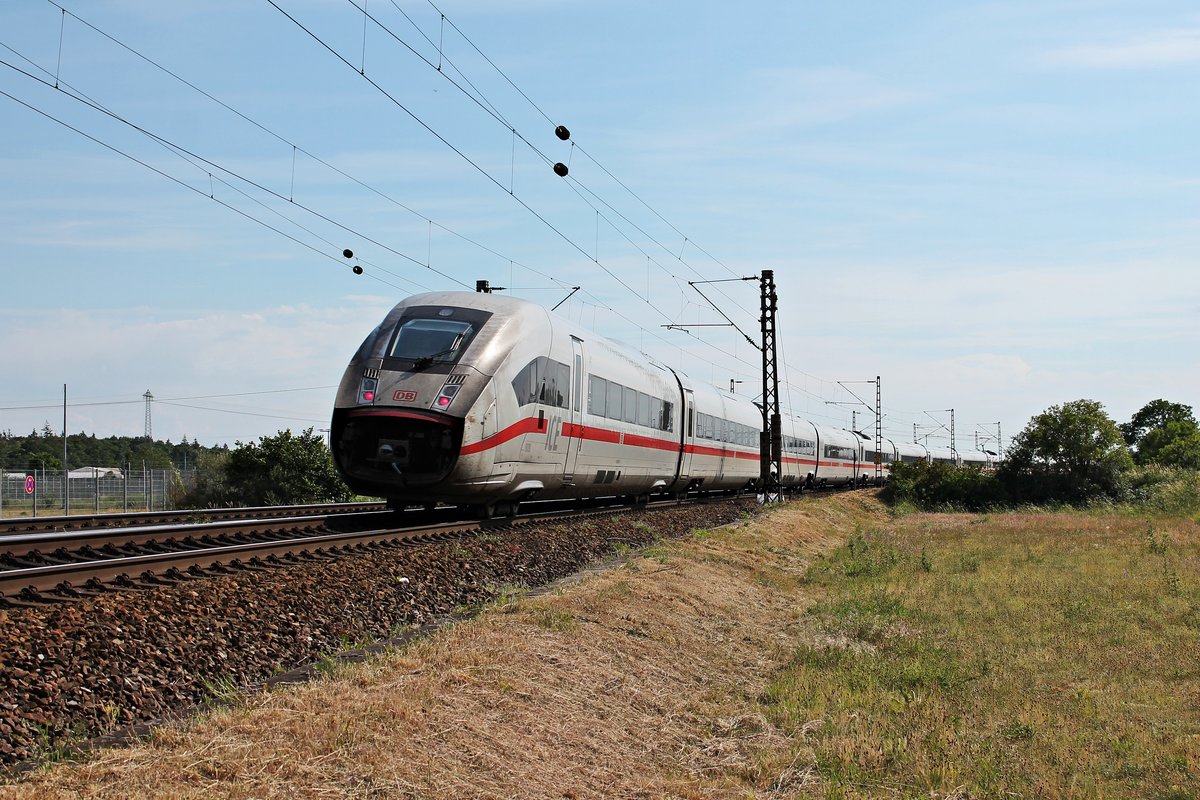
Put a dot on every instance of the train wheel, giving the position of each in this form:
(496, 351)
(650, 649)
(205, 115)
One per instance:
(483, 511)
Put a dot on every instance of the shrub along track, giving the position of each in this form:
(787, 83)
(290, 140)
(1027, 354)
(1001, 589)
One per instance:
(69, 672)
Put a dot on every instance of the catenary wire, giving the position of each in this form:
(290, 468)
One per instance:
(788, 383)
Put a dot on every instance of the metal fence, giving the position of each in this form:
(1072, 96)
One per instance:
(35, 492)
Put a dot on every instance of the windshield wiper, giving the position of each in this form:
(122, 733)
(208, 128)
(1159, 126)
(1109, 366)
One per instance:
(425, 361)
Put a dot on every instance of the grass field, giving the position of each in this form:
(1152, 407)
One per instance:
(1015, 655)
(828, 649)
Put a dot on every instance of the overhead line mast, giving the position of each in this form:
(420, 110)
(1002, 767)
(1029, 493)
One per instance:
(771, 443)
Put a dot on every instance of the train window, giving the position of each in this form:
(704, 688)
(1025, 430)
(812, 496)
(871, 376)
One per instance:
(563, 384)
(597, 393)
(615, 392)
(440, 340)
(668, 416)
(542, 381)
(656, 413)
(549, 390)
(631, 403)
(845, 453)
(643, 409)
(525, 385)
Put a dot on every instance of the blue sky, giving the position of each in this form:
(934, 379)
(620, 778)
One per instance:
(993, 206)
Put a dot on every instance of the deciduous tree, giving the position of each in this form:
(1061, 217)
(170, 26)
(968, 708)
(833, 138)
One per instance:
(1175, 444)
(1155, 414)
(1068, 453)
(284, 469)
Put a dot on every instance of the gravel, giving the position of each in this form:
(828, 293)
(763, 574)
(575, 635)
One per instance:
(71, 672)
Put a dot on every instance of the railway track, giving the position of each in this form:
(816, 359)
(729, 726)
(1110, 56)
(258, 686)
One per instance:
(88, 666)
(65, 566)
(12, 525)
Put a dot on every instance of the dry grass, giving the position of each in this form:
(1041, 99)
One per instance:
(636, 682)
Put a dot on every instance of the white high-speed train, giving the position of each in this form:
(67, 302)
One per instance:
(483, 400)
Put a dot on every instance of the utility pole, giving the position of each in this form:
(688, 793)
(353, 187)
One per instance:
(953, 449)
(66, 468)
(149, 427)
(878, 432)
(771, 443)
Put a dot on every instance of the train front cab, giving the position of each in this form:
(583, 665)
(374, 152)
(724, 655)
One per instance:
(398, 421)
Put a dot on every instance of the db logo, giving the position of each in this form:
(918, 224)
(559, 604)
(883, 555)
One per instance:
(404, 396)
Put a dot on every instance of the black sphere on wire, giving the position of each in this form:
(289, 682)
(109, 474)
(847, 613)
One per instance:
(562, 132)
(560, 169)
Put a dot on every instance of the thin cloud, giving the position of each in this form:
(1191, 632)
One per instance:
(1163, 48)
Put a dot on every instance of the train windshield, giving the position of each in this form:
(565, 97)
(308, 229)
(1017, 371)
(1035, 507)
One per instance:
(432, 340)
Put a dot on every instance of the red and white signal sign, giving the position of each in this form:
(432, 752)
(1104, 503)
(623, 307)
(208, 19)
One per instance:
(29, 484)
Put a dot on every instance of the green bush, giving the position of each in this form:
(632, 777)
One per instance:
(1166, 490)
(944, 487)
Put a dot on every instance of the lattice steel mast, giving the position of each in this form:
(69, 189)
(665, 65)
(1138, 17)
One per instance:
(149, 427)
(771, 443)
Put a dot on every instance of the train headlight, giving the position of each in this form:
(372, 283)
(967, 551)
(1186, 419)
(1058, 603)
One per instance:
(446, 395)
(366, 390)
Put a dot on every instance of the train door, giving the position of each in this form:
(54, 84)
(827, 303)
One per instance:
(575, 412)
(687, 432)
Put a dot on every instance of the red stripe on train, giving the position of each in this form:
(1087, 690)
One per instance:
(573, 430)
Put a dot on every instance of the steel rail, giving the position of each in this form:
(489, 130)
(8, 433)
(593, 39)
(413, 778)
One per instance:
(26, 584)
(14, 583)
(26, 544)
(136, 518)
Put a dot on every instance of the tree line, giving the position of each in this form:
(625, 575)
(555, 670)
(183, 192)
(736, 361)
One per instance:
(44, 450)
(1072, 454)
(284, 469)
